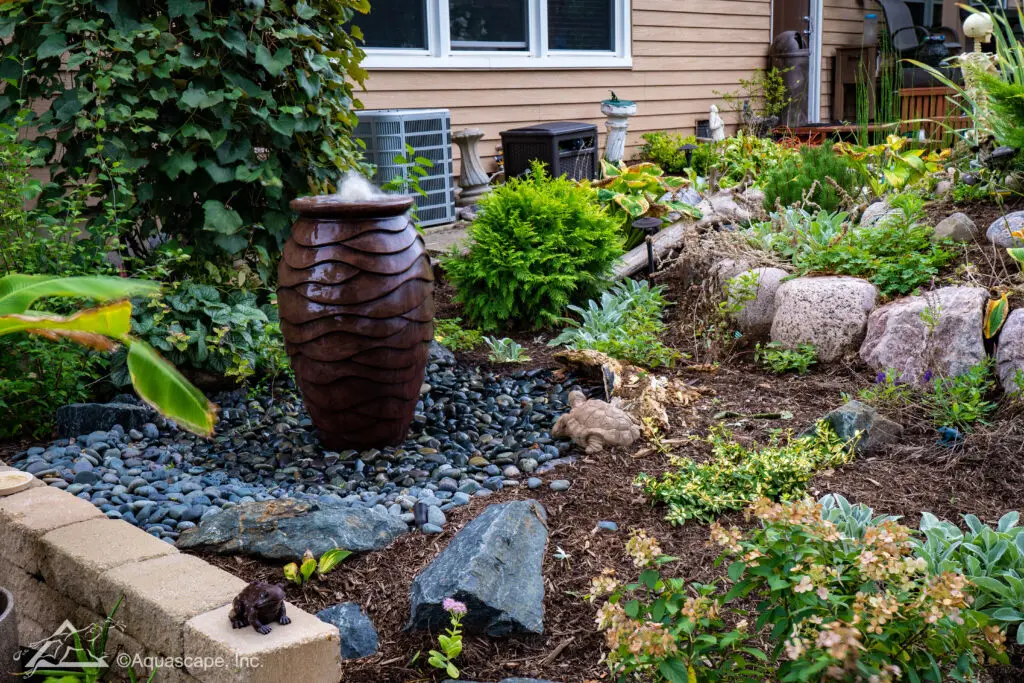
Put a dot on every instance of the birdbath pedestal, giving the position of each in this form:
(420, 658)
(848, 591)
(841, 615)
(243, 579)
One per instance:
(618, 113)
(472, 178)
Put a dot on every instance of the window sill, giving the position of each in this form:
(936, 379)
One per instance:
(494, 60)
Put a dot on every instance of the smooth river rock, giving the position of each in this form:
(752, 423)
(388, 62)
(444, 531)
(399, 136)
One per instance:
(1010, 353)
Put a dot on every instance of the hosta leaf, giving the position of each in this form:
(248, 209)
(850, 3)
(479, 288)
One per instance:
(307, 568)
(160, 385)
(1017, 253)
(609, 170)
(332, 558)
(111, 320)
(18, 292)
(996, 313)
(291, 572)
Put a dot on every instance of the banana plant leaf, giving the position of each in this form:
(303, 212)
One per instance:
(160, 385)
(18, 292)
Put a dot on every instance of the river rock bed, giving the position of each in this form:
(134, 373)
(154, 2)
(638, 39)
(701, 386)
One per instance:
(475, 432)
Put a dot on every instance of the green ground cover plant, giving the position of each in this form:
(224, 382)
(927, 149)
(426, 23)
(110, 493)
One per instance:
(538, 245)
(960, 401)
(625, 324)
(450, 333)
(197, 326)
(776, 358)
(735, 476)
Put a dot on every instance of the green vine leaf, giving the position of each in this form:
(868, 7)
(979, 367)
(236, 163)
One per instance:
(220, 218)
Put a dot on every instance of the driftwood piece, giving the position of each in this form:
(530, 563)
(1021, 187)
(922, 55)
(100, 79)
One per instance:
(664, 242)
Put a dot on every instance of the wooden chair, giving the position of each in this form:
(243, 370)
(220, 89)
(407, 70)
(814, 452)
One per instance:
(929, 109)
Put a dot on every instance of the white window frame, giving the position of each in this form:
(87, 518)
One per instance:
(439, 54)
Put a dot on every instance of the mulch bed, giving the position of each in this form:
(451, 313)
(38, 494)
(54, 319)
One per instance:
(982, 476)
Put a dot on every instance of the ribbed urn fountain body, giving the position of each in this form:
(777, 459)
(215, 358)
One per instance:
(356, 302)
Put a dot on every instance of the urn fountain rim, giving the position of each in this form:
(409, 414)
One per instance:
(335, 207)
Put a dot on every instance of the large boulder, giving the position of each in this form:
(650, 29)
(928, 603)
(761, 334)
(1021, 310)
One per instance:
(957, 227)
(1010, 353)
(724, 270)
(493, 566)
(855, 418)
(358, 636)
(828, 312)
(86, 418)
(940, 331)
(284, 529)
(998, 232)
(756, 314)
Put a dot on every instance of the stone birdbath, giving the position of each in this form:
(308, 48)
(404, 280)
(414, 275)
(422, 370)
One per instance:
(472, 178)
(618, 113)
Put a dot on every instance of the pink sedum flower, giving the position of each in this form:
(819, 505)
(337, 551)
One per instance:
(454, 606)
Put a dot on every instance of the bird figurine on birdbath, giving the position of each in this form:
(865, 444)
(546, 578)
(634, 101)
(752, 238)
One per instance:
(618, 113)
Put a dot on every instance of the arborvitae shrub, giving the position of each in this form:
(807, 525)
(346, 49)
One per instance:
(538, 245)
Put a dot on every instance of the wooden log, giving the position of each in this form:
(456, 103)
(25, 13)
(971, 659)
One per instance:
(664, 242)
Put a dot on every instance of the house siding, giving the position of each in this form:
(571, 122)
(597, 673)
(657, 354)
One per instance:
(685, 52)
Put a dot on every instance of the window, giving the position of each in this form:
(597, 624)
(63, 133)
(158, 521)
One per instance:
(495, 34)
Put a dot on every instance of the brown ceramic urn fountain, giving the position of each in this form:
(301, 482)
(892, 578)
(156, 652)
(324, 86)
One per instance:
(357, 309)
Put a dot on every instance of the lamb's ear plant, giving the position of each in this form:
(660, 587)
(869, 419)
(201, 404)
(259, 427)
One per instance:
(103, 328)
(505, 351)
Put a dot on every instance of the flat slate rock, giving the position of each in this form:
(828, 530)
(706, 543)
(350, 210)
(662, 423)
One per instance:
(494, 566)
(358, 635)
(875, 429)
(284, 529)
(84, 418)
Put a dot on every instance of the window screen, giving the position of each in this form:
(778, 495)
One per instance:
(395, 24)
(488, 24)
(581, 25)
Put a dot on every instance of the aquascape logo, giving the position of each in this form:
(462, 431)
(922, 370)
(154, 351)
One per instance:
(65, 651)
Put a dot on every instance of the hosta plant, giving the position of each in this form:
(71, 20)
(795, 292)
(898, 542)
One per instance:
(996, 312)
(105, 327)
(636, 192)
(891, 165)
(300, 574)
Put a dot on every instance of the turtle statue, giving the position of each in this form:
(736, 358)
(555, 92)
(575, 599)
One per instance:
(594, 424)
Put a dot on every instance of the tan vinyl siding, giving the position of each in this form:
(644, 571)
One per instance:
(844, 27)
(683, 51)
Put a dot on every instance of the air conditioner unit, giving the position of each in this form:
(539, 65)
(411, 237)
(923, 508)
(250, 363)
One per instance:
(386, 132)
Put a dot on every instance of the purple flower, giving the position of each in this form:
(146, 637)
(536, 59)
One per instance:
(454, 606)
(927, 377)
(880, 377)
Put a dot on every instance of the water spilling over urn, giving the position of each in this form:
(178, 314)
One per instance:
(356, 302)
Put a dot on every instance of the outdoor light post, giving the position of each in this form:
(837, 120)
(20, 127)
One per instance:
(649, 227)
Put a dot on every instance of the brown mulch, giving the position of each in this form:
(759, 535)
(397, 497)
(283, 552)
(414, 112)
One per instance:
(982, 476)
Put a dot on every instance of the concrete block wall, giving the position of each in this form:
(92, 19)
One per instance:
(62, 559)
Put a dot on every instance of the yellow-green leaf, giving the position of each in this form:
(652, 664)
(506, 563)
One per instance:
(160, 385)
(332, 558)
(111, 320)
(307, 568)
(996, 313)
(18, 292)
(291, 572)
(1017, 253)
